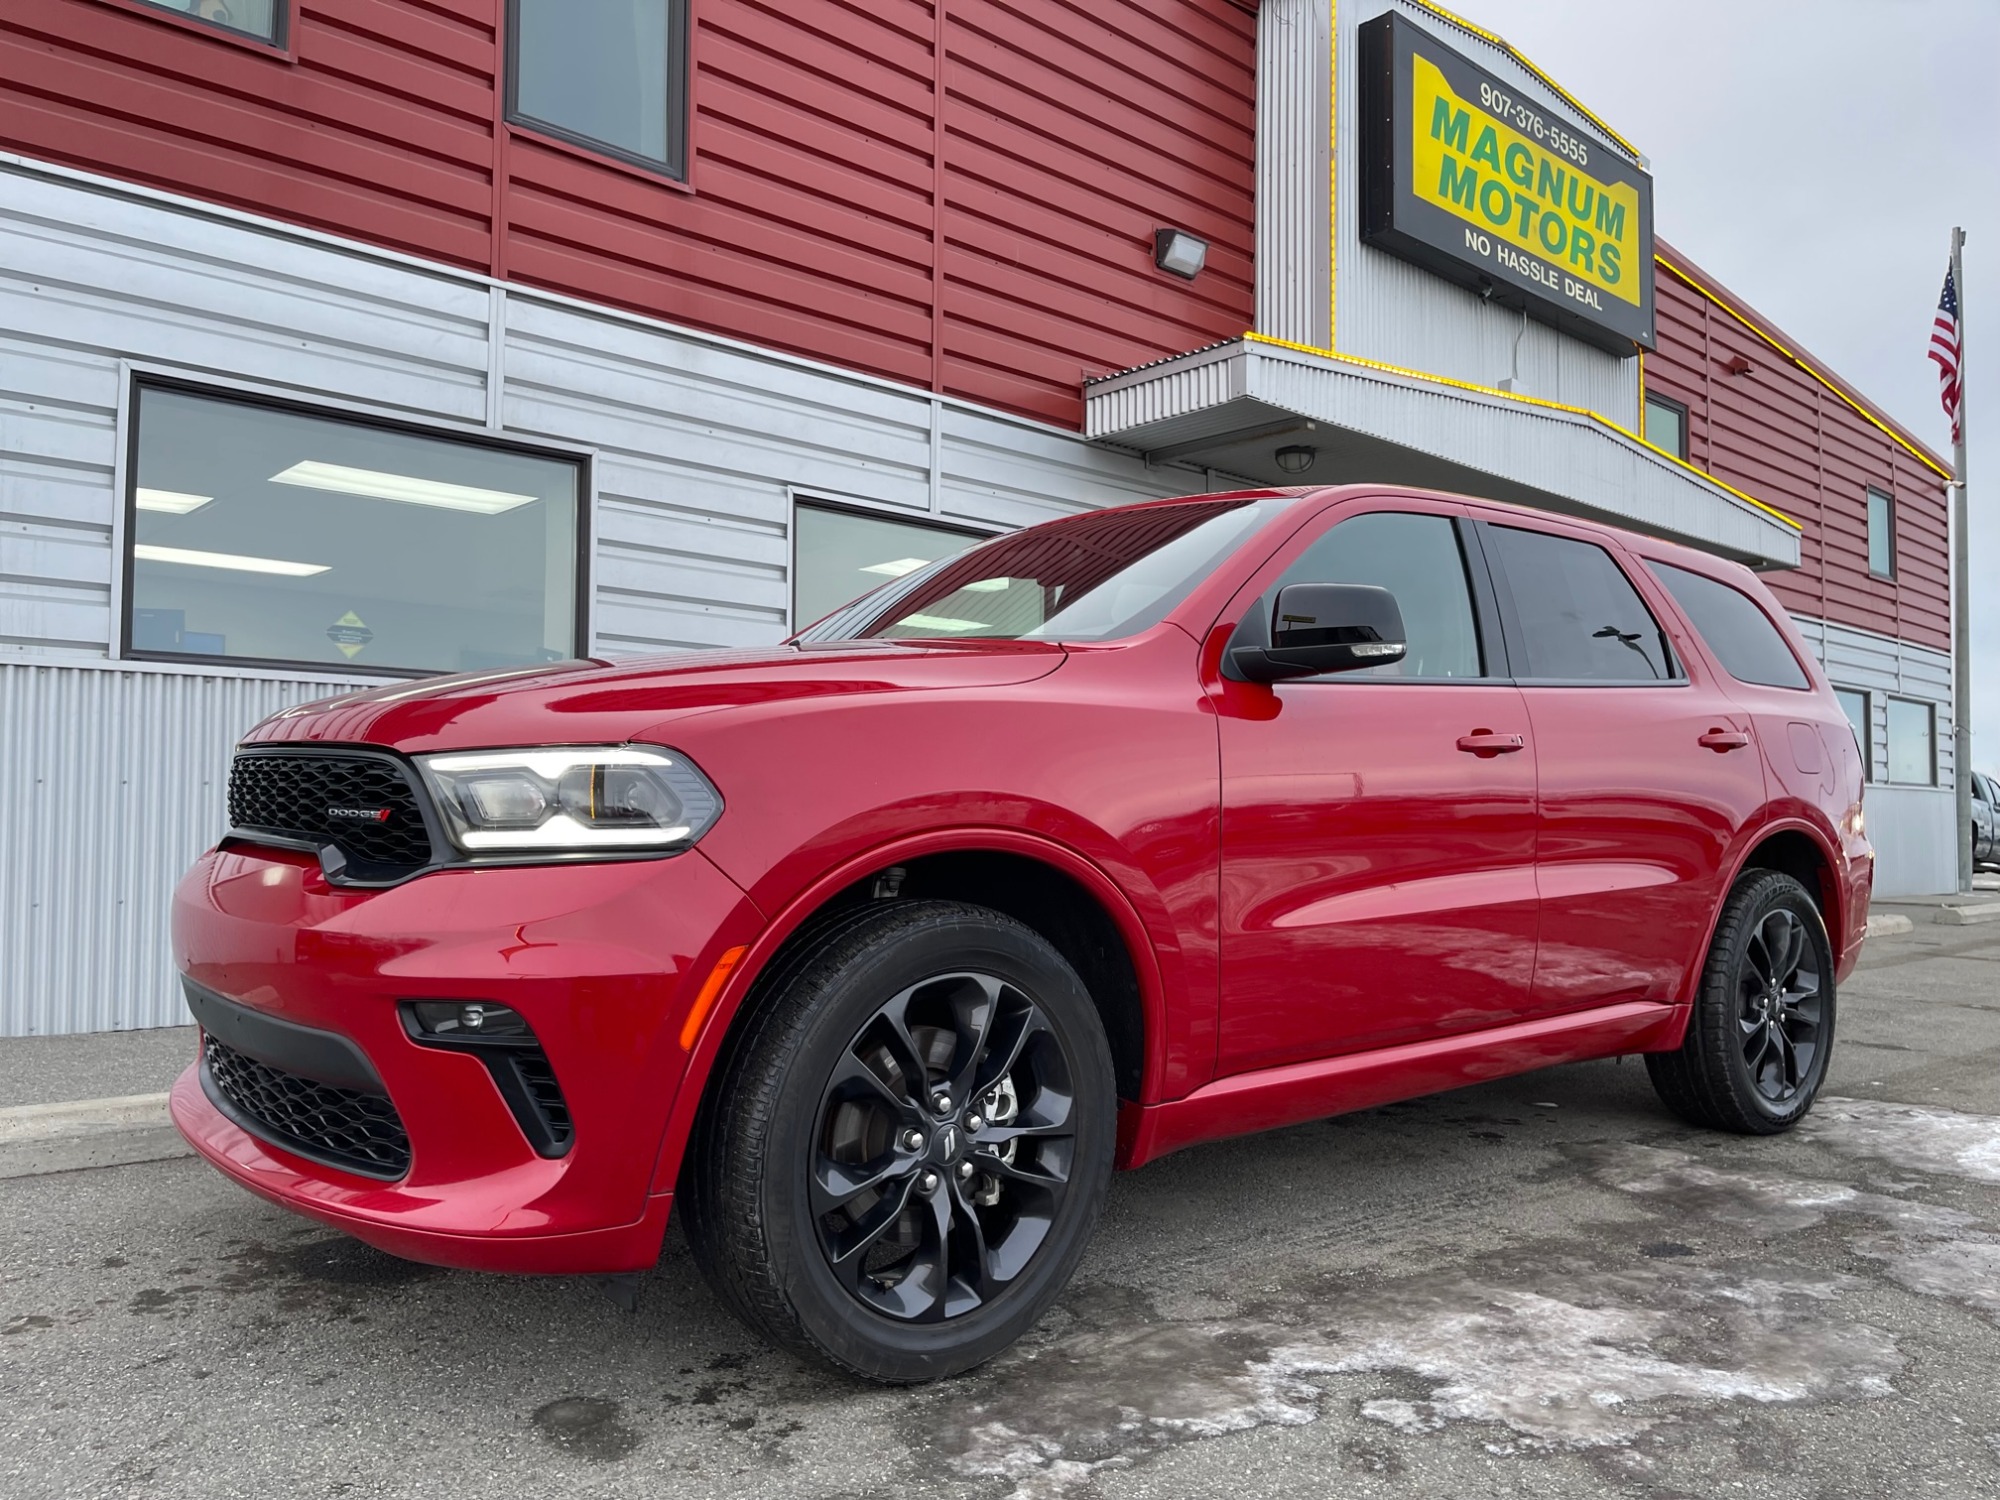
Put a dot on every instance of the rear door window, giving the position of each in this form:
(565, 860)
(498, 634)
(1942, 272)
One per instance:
(1580, 618)
(1739, 633)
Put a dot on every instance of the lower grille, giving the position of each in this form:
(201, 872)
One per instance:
(546, 1120)
(353, 1131)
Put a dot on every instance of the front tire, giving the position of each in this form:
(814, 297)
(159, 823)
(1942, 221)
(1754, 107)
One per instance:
(910, 1145)
(1761, 1034)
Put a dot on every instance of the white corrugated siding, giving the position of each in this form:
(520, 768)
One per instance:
(111, 782)
(697, 444)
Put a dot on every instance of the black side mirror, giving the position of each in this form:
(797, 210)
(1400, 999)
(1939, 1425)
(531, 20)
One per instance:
(1325, 627)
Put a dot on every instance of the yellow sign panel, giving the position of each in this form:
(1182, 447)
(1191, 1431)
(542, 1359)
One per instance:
(1524, 194)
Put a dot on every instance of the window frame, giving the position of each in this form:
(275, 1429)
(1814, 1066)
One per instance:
(680, 102)
(285, 13)
(870, 510)
(1888, 725)
(1517, 636)
(1864, 736)
(1888, 498)
(139, 379)
(1653, 398)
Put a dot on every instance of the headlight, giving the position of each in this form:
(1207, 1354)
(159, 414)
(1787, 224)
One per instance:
(573, 799)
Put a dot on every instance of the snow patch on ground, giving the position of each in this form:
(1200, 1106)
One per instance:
(1909, 1135)
(1963, 1270)
(1762, 1201)
(1591, 1363)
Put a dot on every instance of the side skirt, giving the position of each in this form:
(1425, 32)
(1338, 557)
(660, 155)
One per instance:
(1271, 1098)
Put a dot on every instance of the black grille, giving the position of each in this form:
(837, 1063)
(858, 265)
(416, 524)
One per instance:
(353, 1131)
(333, 799)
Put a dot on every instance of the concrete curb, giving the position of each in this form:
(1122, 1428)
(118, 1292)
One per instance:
(66, 1137)
(1889, 926)
(1965, 916)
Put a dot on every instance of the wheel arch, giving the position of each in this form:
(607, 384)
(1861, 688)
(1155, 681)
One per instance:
(1050, 888)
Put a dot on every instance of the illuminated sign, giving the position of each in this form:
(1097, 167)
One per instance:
(1469, 178)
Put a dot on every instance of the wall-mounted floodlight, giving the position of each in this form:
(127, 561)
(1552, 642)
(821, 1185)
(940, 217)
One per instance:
(1179, 253)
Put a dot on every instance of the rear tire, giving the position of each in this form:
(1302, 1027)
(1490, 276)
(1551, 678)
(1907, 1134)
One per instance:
(905, 1230)
(1761, 1034)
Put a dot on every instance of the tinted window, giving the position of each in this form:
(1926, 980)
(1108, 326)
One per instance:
(1581, 619)
(1912, 757)
(1416, 558)
(842, 554)
(1088, 578)
(1854, 704)
(272, 535)
(606, 72)
(1739, 633)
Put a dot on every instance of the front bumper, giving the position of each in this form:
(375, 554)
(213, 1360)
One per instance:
(601, 958)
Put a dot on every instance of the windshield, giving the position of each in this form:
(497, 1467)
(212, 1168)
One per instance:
(1092, 577)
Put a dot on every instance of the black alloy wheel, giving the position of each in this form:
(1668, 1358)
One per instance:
(1779, 1008)
(1761, 1033)
(944, 1147)
(907, 1144)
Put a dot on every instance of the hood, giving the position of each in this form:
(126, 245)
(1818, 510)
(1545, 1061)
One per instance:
(594, 702)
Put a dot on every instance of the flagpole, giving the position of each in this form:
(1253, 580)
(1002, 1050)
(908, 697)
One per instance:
(1961, 569)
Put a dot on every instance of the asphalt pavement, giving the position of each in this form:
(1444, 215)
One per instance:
(1541, 1287)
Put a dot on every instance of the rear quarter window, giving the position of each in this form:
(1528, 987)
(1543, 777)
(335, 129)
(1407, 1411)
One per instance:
(1734, 625)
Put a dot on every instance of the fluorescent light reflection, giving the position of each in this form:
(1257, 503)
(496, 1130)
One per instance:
(374, 484)
(173, 502)
(897, 567)
(189, 557)
(942, 622)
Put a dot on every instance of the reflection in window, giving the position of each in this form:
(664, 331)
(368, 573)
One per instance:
(1912, 742)
(262, 19)
(1581, 619)
(1739, 632)
(270, 535)
(608, 73)
(1417, 559)
(842, 554)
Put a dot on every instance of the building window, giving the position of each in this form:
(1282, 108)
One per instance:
(267, 534)
(608, 74)
(839, 554)
(1881, 534)
(1912, 742)
(262, 19)
(1854, 703)
(1667, 425)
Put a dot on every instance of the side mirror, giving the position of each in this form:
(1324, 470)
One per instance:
(1325, 627)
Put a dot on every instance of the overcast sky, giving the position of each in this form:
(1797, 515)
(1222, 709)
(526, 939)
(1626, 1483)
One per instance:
(1813, 155)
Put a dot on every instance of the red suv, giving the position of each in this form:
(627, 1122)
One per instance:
(879, 949)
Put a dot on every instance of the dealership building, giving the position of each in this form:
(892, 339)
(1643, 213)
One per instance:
(349, 341)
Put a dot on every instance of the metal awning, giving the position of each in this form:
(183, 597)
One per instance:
(1230, 407)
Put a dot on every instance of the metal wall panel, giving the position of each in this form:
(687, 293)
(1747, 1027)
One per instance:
(1294, 160)
(111, 781)
(114, 781)
(1911, 827)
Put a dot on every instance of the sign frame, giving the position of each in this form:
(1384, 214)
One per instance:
(1505, 261)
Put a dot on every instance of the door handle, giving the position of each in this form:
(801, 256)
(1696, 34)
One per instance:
(1486, 744)
(1721, 741)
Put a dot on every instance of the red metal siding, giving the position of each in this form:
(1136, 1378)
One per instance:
(1782, 433)
(991, 237)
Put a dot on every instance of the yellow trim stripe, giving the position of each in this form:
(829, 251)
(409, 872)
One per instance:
(1487, 390)
(1515, 52)
(1889, 432)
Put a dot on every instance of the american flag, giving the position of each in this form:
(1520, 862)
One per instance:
(1944, 349)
